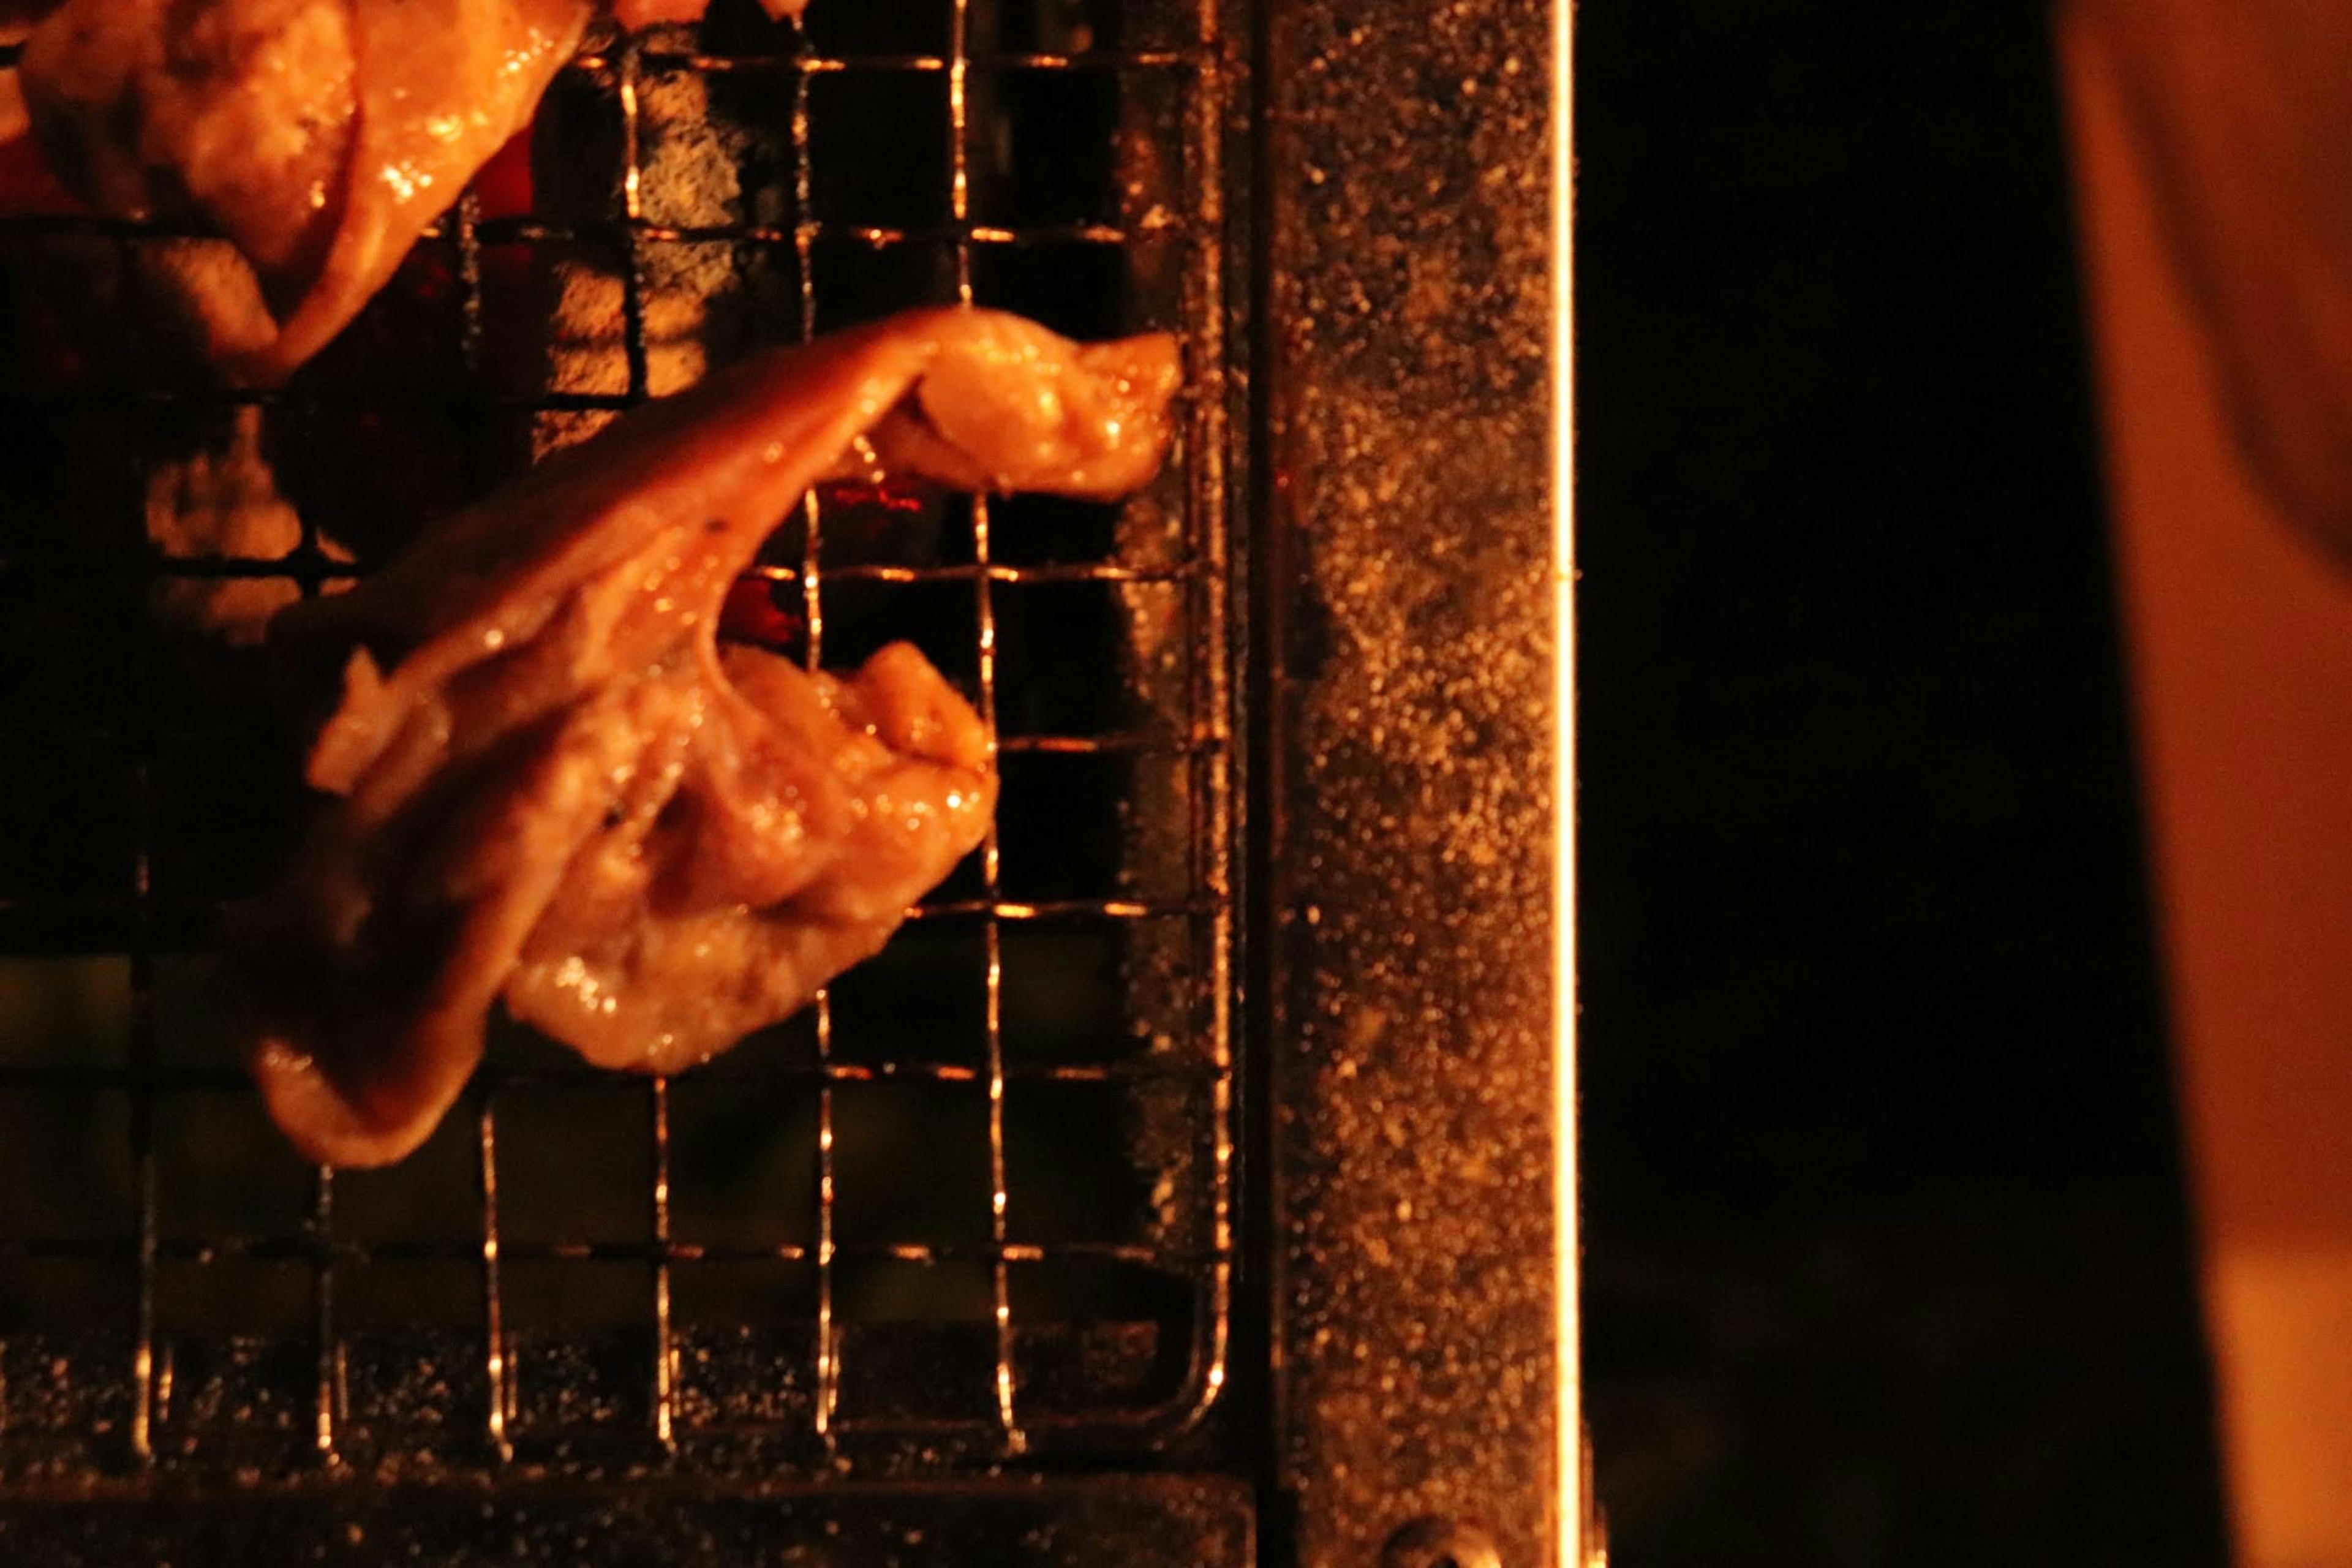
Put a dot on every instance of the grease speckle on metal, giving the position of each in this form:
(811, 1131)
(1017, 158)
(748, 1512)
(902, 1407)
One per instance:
(1411, 317)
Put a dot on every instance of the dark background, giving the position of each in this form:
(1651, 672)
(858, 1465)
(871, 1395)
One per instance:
(1887, 1257)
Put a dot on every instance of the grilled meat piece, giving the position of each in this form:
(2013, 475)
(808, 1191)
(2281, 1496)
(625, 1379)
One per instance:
(550, 785)
(318, 138)
(827, 805)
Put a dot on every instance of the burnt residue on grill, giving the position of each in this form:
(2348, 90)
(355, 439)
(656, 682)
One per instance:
(972, 1209)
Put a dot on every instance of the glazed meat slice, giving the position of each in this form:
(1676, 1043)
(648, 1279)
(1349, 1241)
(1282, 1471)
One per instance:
(825, 806)
(550, 783)
(318, 138)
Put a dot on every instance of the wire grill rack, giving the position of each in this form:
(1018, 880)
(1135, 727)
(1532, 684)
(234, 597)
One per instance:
(976, 1203)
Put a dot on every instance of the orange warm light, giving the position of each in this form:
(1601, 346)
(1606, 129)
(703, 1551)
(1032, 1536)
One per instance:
(2240, 640)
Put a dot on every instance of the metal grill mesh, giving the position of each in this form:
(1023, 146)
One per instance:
(975, 1203)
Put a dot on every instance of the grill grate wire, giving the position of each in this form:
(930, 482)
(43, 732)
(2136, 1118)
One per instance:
(153, 921)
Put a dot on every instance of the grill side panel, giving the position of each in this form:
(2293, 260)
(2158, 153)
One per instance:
(1410, 540)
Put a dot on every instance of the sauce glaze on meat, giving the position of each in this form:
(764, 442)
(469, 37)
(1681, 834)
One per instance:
(548, 782)
(318, 138)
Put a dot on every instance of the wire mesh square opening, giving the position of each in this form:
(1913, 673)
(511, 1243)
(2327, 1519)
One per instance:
(744, 1164)
(920, 1345)
(96, 621)
(1109, 1164)
(407, 1373)
(1103, 996)
(72, 1161)
(223, 1171)
(1068, 830)
(76, 466)
(429, 1203)
(1103, 1335)
(747, 1337)
(978, 1192)
(575, 1162)
(70, 1013)
(235, 1363)
(581, 1346)
(919, 1009)
(870, 532)
(869, 133)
